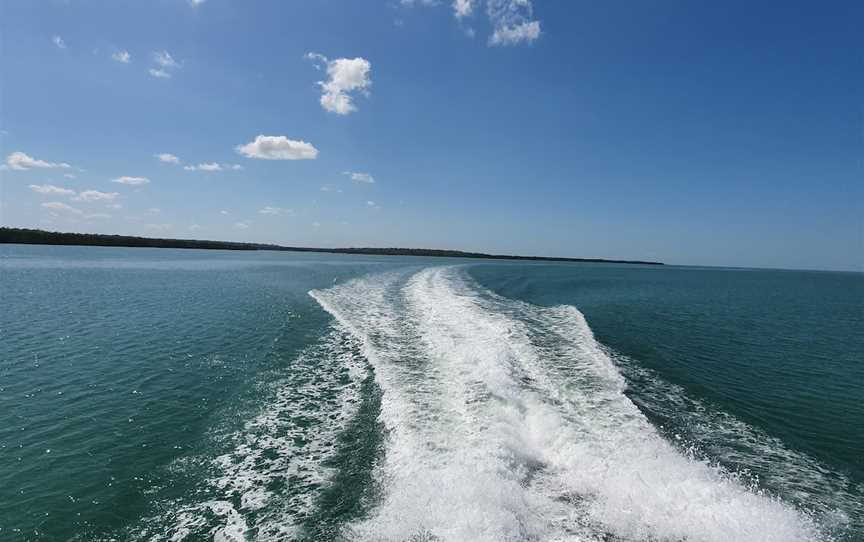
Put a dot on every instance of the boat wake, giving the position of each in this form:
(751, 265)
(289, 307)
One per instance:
(434, 409)
(509, 421)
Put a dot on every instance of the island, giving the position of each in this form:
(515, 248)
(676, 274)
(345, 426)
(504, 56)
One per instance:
(27, 236)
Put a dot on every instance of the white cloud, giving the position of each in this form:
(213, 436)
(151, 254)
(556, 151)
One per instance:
(241, 225)
(154, 210)
(165, 64)
(69, 175)
(95, 195)
(196, 3)
(316, 225)
(268, 210)
(97, 216)
(212, 166)
(60, 207)
(51, 189)
(224, 212)
(318, 60)
(164, 59)
(370, 203)
(122, 56)
(131, 180)
(167, 158)
(21, 161)
(329, 188)
(345, 76)
(359, 177)
(194, 227)
(463, 8)
(58, 41)
(511, 35)
(114, 206)
(278, 148)
(512, 21)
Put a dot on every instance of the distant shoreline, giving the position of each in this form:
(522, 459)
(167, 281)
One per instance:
(26, 236)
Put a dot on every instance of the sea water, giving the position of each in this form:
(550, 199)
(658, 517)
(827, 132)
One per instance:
(153, 394)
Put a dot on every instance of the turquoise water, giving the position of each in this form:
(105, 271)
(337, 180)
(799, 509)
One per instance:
(151, 394)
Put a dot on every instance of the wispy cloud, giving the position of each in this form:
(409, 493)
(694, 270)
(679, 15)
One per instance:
(165, 65)
(167, 158)
(131, 180)
(345, 76)
(213, 166)
(241, 225)
(359, 177)
(95, 195)
(268, 210)
(164, 59)
(21, 161)
(512, 21)
(122, 56)
(60, 207)
(58, 41)
(50, 189)
(517, 33)
(278, 148)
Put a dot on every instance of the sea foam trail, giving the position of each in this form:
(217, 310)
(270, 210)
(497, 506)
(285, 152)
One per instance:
(508, 421)
(285, 445)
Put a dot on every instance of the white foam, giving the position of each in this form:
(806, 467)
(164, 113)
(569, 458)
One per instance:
(508, 421)
(287, 443)
(709, 432)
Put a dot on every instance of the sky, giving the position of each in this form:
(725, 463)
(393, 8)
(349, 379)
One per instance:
(690, 132)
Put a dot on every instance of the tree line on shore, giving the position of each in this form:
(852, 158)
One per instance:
(42, 237)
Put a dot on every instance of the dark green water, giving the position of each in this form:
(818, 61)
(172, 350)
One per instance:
(196, 395)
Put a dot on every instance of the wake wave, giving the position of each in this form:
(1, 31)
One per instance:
(266, 484)
(508, 421)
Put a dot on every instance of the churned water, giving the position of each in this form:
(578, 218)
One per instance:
(151, 394)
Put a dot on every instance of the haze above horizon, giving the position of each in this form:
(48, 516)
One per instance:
(722, 135)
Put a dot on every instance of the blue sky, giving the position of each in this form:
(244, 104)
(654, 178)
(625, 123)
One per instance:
(715, 133)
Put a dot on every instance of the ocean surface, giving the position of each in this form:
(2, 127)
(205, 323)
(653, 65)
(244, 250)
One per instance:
(185, 395)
